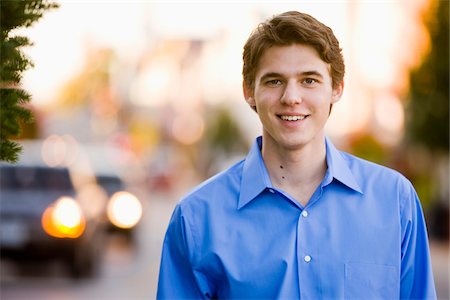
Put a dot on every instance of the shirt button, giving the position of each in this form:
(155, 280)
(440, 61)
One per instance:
(272, 191)
(304, 213)
(307, 258)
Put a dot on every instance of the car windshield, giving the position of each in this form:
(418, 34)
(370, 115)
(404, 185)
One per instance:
(34, 178)
(110, 183)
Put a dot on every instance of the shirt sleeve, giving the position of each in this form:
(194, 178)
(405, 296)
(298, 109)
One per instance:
(176, 277)
(416, 274)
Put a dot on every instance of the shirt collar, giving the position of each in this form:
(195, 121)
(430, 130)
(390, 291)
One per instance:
(339, 168)
(255, 177)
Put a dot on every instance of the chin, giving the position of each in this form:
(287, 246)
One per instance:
(296, 143)
(290, 141)
(292, 144)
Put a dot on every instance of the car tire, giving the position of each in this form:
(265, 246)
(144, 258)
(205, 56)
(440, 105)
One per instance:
(84, 260)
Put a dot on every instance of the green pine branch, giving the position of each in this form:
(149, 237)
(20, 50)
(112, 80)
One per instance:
(13, 62)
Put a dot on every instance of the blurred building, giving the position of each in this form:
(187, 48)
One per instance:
(149, 75)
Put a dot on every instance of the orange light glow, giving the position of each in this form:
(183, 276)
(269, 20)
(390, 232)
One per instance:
(63, 219)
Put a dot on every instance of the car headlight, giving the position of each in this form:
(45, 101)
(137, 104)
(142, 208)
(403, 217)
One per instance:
(64, 219)
(124, 210)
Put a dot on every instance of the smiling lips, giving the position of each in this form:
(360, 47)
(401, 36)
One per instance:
(292, 118)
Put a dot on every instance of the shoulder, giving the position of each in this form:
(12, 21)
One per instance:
(384, 186)
(376, 176)
(363, 167)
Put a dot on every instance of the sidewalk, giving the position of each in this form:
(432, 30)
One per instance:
(440, 260)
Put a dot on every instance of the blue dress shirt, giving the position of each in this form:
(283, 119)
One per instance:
(362, 235)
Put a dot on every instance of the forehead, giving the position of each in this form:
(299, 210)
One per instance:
(292, 59)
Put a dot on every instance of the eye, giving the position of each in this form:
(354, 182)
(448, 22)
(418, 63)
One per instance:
(274, 82)
(310, 81)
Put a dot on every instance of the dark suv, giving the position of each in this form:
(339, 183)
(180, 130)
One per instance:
(42, 218)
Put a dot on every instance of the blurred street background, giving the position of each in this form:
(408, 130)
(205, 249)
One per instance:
(148, 95)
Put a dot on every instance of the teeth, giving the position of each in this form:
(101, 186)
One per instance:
(292, 118)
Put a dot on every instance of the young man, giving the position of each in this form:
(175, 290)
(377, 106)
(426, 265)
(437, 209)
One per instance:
(297, 219)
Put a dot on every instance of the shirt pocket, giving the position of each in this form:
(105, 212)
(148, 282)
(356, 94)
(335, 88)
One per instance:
(370, 281)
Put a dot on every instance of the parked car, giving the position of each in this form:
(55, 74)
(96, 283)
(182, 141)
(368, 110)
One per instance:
(42, 217)
(115, 171)
(123, 209)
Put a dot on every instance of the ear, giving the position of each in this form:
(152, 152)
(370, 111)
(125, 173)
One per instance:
(248, 95)
(337, 92)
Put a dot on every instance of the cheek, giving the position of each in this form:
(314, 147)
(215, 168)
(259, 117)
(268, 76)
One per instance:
(264, 105)
(268, 97)
(320, 99)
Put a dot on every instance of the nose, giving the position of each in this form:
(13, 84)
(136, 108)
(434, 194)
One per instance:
(291, 94)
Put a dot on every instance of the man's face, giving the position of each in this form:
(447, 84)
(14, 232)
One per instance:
(292, 94)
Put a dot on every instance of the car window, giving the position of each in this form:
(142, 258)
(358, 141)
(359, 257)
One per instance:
(32, 178)
(110, 183)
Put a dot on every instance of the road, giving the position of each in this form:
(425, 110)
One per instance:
(127, 271)
(130, 272)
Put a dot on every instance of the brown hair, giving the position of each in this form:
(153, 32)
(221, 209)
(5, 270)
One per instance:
(289, 28)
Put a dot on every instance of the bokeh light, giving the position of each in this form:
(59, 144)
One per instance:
(124, 210)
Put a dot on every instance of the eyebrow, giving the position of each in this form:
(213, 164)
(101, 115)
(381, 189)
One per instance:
(305, 73)
(312, 73)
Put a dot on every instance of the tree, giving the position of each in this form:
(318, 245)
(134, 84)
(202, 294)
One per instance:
(428, 121)
(428, 109)
(13, 15)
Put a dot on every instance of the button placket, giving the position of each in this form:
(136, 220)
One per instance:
(307, 266)
(304, 214)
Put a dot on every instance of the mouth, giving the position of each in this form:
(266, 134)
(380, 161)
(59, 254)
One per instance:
(292, 118)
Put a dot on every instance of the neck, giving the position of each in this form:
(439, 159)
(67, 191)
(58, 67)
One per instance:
(298, 169)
